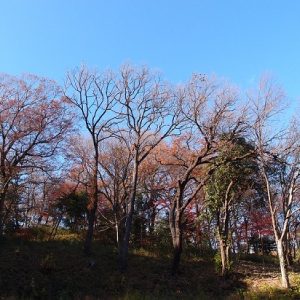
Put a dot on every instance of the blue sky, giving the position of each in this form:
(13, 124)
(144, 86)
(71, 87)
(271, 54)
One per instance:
(238, 40)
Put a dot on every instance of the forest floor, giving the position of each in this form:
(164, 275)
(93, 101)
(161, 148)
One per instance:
(57, 270)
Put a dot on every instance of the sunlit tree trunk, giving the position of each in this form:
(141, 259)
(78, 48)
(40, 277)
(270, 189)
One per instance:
(282, 262)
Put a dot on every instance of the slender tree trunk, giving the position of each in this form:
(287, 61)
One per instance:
(223, 218)
(55, 227)
(152, 221)
(224, 252)
(278, 237)
(93, 209)
(288, 249)
(246, 236)
(228, 257)
(283, 268)
(295, 243)
(123, 253)
(223, 242)
(198, 229)
(117, 231)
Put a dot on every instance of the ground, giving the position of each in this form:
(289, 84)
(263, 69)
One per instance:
(57, 269)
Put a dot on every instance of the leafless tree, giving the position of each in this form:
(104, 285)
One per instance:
(116, 164)
(94, 95)
(148, 110)
(279, 161)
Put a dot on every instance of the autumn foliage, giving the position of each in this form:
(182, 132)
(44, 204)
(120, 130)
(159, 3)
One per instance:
(133, 161)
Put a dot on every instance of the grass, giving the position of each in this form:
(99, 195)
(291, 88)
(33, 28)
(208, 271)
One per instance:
(262, 278)
(272, 292)
(39, 269)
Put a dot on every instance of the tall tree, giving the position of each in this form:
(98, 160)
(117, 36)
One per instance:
(149, 115)
(116, 165)
(208, 109)
(279, 162)
(94, 95)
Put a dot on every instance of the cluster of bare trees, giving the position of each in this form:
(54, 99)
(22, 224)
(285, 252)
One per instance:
(128, 150)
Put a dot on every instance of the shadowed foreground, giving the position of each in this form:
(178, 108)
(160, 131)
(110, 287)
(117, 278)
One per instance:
(58, 270)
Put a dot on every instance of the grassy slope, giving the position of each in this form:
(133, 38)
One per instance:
(58, 270)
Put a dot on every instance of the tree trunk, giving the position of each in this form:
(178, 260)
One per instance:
(152, 221)
(198, 229)
(90, 230)
(176, 233)
(2, 214)
(123, 253)
(117, 232)
(283, 268)
(224, 251)
(246, 236)
(223, 242)
(177, 250)
(288, 250)
(228, 257)
(92, 210)
(55, 227)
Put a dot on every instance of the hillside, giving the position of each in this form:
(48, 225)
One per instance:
(40, 269)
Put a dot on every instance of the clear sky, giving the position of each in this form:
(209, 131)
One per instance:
(238, 40)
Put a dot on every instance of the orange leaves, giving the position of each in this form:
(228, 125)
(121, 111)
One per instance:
(33, 123)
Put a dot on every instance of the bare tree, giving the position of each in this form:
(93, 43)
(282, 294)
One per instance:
(278, 156)
(94, 95)
(148, 113)
(116, 164)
